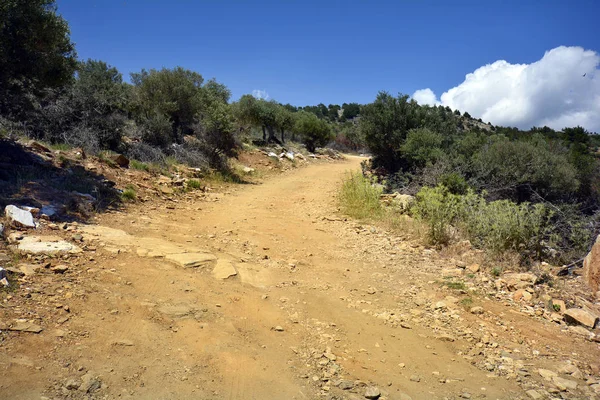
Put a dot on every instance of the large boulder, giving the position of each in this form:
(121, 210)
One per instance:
(578, 316)
(591, 267)
(120, 160)
(19, 218)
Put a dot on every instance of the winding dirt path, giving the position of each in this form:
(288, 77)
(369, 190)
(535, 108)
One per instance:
(315, 300)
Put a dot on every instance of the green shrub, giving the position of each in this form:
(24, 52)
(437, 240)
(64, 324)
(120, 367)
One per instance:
(455, 183)
(193, 184)
(497, 226)
(440, 209)
(129, 193)
(358, 198)
(135, 164)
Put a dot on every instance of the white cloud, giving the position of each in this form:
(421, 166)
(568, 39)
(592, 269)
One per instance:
(552, 91)
(260, 94)
(425, 96)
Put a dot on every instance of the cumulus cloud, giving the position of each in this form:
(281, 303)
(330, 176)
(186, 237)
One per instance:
(559, 90)
(260, 94)
(425, 96)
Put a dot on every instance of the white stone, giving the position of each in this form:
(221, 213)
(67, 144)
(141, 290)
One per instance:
(44, 245)
(19, 218)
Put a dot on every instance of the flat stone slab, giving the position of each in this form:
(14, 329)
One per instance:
(180, 310)
(191, 260)
(581, 317)
(23, 326)
(224, 269)
(45, 245)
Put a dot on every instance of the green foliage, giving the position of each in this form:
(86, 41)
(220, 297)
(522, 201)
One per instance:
(135, 164)
(440, 209)
(386, 122)
(173, 94)
(314, 132)
(497, 226)
(517, 169)
(350, 111)
(358, 198)
(422, 146)
(556, 307)
(129, 194)
(36, 53)
(455, 285)
(454, 182)
(194, 184)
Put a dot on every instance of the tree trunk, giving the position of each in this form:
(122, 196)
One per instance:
(272, 137)
(282, 136)
(264, 134)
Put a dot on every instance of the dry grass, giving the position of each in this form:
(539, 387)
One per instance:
(359, 199)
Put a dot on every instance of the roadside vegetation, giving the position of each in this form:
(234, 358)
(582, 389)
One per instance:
(532, 193)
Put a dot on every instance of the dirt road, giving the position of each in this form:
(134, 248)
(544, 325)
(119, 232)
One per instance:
(315, 306)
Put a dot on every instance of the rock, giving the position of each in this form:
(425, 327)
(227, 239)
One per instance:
(346, 385)
(522, 294)
(42, 244)
(40, 148)
(248, 170)
(120, 160)
(415, 378)
(445, 337)
(477, 310)
(581, 331)
(278, 328)
(1, 231)
(564, 384)
(534, 394)
(48, 211)
(58, 333)
(372, 392)
(474, 268)
(191, 260)
(178, 311)
(516, 281)
(591, 267)
(19, 218)
(224, 269)
(122, 342)
(89, 383)
(570, 369)
(28, 269)
(580, 317)
(21, 325)
(166, 190)
(273, 155)
(452, 272)
(60, 268)
(72, 384)
(547, 374)
(440, 305)
(289, 155)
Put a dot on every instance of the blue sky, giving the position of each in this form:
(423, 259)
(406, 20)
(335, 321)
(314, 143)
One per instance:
(306, 52)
